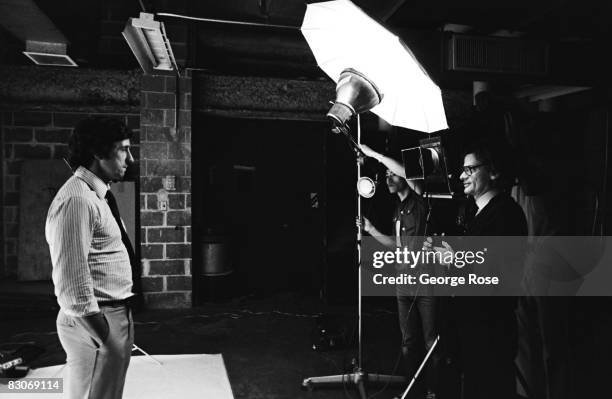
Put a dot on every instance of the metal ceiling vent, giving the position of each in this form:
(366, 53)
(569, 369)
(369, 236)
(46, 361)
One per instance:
(497, 55)
(45, 44)
(44, 53)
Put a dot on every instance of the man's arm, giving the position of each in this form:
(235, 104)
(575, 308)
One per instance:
(369, 228)
(70, 235)
(394, 166)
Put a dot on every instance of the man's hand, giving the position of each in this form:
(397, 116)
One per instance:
(391, 164)
(446, 251)
(97, 326)
(366, 225)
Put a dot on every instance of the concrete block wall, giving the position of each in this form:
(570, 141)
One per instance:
(165, 211)
(28, 135)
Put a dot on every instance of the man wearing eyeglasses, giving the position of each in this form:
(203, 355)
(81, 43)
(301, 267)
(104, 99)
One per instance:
(487, 328)
(416, 310)
(485, 180)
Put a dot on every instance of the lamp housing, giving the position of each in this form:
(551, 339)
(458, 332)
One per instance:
(148, 41)
(355, 94)
(428, 162)
(366, 187)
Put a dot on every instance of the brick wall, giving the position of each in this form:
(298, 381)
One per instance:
(36, 125)
(166, 213)
(28, 135)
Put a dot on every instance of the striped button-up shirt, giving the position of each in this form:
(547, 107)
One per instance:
(90, 262)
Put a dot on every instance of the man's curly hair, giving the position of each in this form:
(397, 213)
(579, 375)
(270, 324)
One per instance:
(93, 136)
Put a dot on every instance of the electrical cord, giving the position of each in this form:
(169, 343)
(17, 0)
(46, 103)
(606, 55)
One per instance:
(245, 312)
(225, 21)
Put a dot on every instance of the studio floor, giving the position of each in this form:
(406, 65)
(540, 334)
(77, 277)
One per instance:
(267, 341)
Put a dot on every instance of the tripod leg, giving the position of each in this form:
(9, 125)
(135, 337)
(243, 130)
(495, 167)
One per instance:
(357, 378)
(327, 381)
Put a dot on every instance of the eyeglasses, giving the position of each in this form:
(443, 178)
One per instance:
(470, 169)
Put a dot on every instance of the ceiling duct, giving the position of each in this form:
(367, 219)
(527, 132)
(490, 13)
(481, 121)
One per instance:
(45, 53)
(44, 42)
(469, 53)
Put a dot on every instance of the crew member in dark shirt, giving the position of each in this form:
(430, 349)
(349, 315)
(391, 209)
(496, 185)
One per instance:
(416, 310)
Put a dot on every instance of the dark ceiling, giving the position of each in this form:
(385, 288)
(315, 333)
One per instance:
(93, 28)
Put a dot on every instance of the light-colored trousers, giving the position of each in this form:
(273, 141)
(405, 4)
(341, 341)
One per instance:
(96, 370)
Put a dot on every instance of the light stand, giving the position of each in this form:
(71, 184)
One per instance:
(416, 375)
(355, 94)
(136, 348)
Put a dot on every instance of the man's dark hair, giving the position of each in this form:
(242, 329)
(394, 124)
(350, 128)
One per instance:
(497, 157)
(93, 136)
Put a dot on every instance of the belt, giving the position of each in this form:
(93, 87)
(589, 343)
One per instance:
(114, 303)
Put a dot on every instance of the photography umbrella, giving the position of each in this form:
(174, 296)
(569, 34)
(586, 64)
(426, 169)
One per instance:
(342, 36)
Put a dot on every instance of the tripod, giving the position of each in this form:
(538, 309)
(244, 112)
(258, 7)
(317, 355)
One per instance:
(358, 377)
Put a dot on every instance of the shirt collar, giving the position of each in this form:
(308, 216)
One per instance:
(93, 181)
(407, 203)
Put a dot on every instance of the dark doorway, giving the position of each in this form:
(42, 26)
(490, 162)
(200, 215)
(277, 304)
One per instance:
(259, 187)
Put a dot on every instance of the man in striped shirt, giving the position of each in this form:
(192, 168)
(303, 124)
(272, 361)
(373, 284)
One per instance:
(92, 274)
